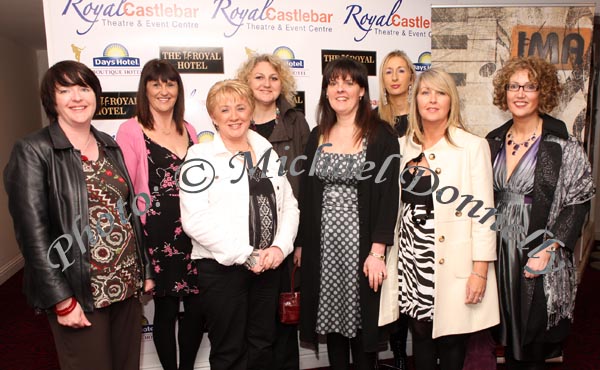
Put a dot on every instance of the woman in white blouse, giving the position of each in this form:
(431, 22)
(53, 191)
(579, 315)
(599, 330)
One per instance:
(242, 218)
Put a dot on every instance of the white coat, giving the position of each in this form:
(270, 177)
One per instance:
(462, 169)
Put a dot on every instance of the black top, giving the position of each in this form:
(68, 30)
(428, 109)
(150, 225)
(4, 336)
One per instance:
(401, 124)
(166, 242)
(263, 210)
(264, 129)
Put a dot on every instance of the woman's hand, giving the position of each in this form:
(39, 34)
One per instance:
(298, 256)
(539, 261)
(374, 268)
(271, 258)
(149, 284)
(477, 282)
(74, 319)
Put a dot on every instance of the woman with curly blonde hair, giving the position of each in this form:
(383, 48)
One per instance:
(542, 185)
(276, 119)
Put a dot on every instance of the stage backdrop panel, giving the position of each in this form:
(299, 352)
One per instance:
(474, 42)
(207, 40)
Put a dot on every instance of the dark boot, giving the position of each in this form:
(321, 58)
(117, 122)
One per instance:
(398, 347)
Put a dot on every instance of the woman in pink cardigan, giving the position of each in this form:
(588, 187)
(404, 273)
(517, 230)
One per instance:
(154, 145)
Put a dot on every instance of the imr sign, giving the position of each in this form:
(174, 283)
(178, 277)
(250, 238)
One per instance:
(562, 47)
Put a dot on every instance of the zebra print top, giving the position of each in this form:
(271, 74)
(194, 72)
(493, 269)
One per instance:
(416, 263)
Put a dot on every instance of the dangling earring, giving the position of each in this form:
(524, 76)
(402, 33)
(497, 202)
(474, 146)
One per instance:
(360, 97)
(385, 101)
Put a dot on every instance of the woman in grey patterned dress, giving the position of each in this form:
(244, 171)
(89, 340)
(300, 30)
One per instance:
(346, 221)
(543, 184)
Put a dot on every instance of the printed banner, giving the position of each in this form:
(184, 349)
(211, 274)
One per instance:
(207, 40)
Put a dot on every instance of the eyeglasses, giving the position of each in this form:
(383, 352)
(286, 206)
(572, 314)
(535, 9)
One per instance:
(527, 87)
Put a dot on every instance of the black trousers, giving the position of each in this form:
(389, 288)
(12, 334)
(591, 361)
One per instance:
(112, 342)
(239, 308)
(536, 352)
(191, 329)
(338, 350)
(450, 349)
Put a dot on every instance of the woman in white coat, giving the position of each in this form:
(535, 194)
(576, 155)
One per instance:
(445, 271)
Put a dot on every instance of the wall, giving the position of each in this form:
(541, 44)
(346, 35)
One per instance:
(20, 107)
(590, 233)
(515, 2)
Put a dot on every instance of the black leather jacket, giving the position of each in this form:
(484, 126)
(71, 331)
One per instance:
(47, 198)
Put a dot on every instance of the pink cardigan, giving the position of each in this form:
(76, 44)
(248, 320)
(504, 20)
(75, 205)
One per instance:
(130, 138)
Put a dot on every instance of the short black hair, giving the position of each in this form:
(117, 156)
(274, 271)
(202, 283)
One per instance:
(67, 73)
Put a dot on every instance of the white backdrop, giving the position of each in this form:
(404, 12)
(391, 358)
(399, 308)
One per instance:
(208, 39)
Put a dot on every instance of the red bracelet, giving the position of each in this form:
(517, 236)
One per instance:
(67, 310)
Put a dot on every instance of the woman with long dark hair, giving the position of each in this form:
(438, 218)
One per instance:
(346, 220)
(154, 145)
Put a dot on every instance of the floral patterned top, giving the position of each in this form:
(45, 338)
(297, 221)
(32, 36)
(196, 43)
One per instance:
(169, 247)
(115, 275)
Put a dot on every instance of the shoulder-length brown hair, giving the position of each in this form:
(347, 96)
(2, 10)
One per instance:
(326, 116)
(67, 73)
(162, 71)
(540, 72)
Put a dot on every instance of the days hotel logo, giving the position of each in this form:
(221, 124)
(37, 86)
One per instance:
(116, 55)
(424, 62)
(288, 55)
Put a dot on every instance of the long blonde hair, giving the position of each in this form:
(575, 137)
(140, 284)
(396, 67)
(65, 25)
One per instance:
(383, 106)
(439, 80)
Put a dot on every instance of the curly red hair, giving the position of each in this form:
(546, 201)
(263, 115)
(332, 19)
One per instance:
(540, 72)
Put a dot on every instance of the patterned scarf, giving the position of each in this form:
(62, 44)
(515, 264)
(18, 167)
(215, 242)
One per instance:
(575, 186)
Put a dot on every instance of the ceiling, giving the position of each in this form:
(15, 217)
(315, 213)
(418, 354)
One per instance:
(22, 21)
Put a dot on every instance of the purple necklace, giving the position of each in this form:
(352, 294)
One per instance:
(515, 145)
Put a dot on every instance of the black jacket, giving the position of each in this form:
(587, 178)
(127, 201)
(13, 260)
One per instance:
(377, 211)
(48, 201)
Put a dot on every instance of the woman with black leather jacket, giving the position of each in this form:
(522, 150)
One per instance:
(77, 226)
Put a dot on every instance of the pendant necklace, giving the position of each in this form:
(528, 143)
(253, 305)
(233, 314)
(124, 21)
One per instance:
(84, 157)
(516, 146)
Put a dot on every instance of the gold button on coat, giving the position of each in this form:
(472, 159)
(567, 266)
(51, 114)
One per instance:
(442, 238)
(438, 170)
(431, 156)
(458, 213)
(442, 261)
